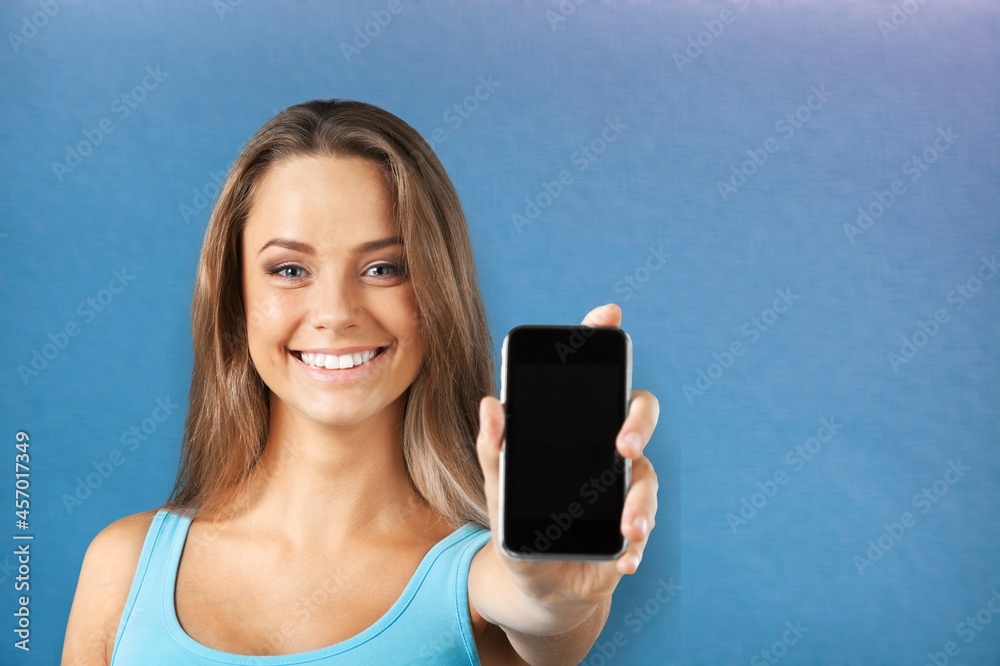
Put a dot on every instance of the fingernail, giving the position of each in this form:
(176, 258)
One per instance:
(632, 442)
(640, 523)
(483, 415)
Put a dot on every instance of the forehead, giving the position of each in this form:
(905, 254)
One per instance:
(323, 200)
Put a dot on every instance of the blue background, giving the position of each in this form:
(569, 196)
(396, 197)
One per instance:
(654, 189)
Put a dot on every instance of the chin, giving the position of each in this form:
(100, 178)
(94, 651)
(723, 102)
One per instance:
(338, 412)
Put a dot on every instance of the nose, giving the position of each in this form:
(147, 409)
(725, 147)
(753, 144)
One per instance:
(336, 304)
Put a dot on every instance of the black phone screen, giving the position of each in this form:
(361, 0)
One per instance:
(566, 396)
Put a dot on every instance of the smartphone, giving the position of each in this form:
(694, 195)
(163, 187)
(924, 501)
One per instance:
(566, 392)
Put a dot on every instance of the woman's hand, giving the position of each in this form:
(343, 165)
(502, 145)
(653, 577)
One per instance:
(555, 596)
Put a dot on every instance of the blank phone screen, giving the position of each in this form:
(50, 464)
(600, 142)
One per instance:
(564, 481)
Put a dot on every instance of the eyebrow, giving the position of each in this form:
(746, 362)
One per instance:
(306, 248)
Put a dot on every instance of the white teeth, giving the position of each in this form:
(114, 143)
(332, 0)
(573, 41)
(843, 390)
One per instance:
(335, 362)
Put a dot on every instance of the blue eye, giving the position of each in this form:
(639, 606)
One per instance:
(288, 271)
(384, 270)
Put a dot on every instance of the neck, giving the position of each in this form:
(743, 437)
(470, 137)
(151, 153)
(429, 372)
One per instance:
(314, 481)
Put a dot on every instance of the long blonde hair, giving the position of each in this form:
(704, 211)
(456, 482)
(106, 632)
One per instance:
(227, 420)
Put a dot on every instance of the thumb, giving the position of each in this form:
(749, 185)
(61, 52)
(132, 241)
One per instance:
(491, 426)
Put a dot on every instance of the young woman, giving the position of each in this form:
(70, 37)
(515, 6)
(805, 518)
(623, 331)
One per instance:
(338, 483)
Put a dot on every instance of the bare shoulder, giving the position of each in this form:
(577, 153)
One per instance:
(114, 553)
(105, 580)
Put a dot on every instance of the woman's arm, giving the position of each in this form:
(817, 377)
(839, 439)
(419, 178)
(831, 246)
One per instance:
(105, 580)
(538, 635)
(553, 611)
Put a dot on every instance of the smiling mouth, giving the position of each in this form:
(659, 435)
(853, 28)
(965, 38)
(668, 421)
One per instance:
(338, 361)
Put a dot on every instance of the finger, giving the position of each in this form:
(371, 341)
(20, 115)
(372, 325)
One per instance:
(643, 414)
(639, 513)
(491, 425)
(639, 516)
(605, 315)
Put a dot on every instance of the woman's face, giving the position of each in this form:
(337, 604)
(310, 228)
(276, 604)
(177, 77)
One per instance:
(332, 324)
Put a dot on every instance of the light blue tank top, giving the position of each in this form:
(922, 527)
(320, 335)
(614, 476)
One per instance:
(428, 624)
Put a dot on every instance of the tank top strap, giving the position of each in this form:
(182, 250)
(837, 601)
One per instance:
(436, 624)
(165, 536)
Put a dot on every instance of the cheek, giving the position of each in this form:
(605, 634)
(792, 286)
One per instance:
(409, 328)
(266, 317)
